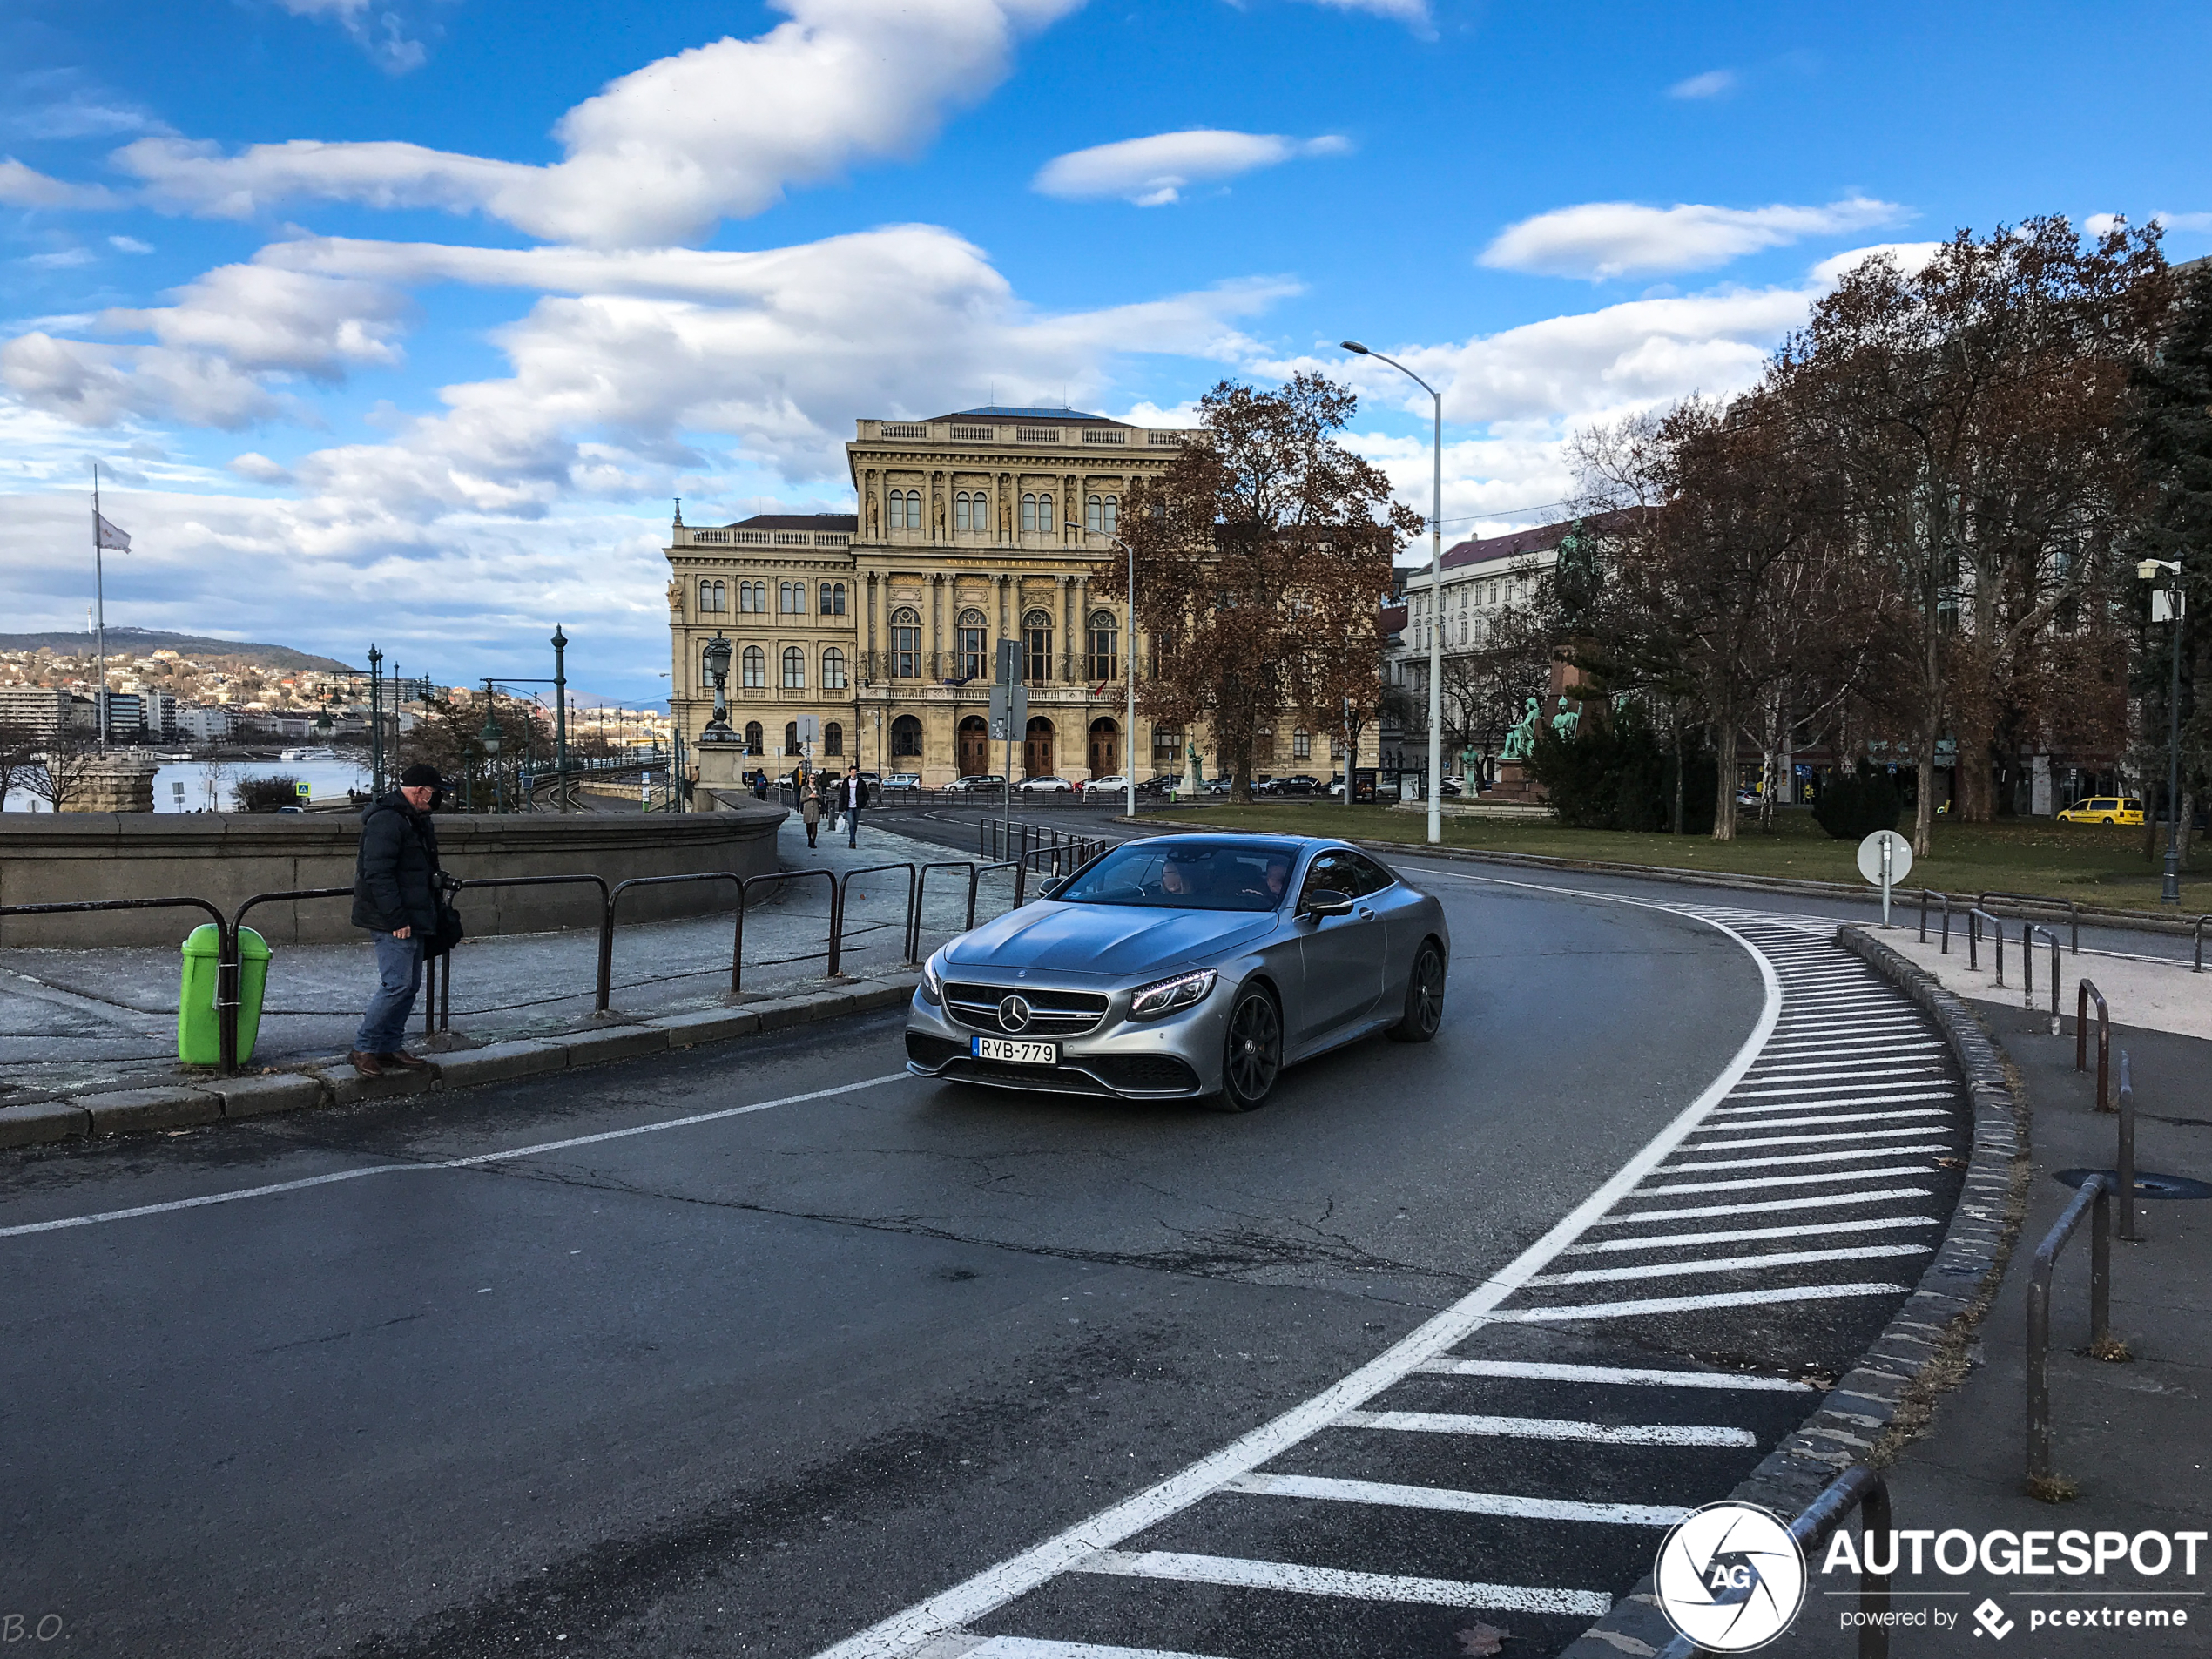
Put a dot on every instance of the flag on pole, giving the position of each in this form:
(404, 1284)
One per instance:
(109, 536)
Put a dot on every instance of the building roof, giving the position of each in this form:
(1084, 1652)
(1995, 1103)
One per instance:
(1520, 543)
(799, 522)
(1058, 417)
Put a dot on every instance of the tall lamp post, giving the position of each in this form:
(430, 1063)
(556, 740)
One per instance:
(376, 722)
(1435, 591)
(560, 719)
(488, 739)
(1128, 663)
(2170, 892)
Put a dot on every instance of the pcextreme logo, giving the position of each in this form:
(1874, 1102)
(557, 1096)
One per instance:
(1729, 1577)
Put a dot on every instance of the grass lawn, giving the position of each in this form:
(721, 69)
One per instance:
(2087, 862)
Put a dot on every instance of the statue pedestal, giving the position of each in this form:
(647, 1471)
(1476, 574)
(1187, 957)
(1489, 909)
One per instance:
(721, 766)
(1515, 787)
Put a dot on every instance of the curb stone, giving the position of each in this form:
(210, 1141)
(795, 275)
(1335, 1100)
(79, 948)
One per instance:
(1857, 1422)
(332, 1082)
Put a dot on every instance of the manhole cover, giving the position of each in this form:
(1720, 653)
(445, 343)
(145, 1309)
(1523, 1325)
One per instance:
(2147, 1184)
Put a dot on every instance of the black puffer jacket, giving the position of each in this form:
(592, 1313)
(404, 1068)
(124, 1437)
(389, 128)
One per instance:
(394, 874)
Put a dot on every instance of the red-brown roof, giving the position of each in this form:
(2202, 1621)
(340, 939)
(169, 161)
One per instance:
(1521, 544)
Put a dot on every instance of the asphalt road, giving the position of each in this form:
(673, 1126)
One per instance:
(751, 1384)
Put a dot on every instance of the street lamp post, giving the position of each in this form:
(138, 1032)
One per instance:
(560, 719)
(376, 721)
(488, 737)
(2170, 891)
(1129, 666)
(1435, 590)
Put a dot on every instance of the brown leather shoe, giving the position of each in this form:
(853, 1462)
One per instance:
(405, 1061)
(367, 1065)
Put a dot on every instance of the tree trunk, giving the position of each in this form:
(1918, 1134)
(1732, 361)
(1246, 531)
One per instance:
(1674, 717)
(1725, 784)
(1923, 810)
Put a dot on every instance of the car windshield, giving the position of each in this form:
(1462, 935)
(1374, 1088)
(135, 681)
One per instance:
(1186, 875)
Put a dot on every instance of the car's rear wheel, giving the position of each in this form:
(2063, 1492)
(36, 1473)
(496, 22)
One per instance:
(1424, 1012)
(1252, 1054)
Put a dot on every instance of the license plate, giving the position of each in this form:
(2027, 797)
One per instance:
(1022, 1054)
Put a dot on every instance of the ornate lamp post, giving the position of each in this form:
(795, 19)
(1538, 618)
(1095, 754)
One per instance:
(488, 739)
(717, 657)
(2170, 892)
(560, 718)
(376, 721)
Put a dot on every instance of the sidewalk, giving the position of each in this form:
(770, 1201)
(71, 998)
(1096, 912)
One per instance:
(2151, 995)
(72, 1020)
(2136, 1438)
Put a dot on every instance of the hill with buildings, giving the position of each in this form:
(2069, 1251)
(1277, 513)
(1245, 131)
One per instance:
(124, 643)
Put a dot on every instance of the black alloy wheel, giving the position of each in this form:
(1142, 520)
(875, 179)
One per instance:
(1252, 1053)
(1424, 996)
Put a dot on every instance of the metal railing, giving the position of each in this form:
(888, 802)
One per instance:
(910, 924)
(1855, 1489)
(1974, 920)
(2028, 930)
(774, 878)
(921, 888)
(2126, 1160)
(2197, 966)
(606, 986)
(1927, 894)
(2071, 908)
(2094, 1196)
(2086, 994)
(226, 960)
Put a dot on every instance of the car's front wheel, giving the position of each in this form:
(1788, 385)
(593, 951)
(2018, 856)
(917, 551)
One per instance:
(1424, 996)
(1251, 1052)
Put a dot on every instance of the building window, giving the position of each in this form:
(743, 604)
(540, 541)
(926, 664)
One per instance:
(1167, 745)
(906, 644)
(833, 598)
(832, 738)
(1095, 515)
(832, 670)
(791, 598)
(913, 510)
(903, 510)
(1036, 646)
(754, 672)
(1301, 745)
(755, 741)
(1103, 638)
(1113, 515)
(970, 513)
(967, 642)
(713, 596)
(795, 669)
(1029, 515)
(791, 737)
(906, 739)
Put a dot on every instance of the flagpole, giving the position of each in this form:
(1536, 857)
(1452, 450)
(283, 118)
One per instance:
(99, 593)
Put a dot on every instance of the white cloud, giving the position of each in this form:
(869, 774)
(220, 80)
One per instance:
(1908, 257)
(65, 259)
(661, 154)
(129, 245)
(2183, 221)
(1600, 239)
(1153, 171)
(21, 187)
(1711, 84)
(1412, 13)
(380, 34)
(259, 468)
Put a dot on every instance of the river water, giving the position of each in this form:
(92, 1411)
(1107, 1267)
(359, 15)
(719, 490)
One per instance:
(185, 787)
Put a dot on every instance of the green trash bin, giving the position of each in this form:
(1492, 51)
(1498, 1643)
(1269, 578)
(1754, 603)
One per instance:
(199, 1036)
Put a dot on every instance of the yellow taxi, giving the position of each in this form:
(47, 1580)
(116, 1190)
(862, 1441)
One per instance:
(2104, 809)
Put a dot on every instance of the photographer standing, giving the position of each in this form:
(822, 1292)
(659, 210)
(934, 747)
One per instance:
(395, 876)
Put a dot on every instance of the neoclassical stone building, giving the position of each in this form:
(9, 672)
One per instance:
(886, 624)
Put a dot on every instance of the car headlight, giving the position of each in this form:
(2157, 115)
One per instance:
(1165, 996)
(933, 983)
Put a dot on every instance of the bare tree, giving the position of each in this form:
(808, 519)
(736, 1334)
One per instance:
(66, 761)
(19, 748)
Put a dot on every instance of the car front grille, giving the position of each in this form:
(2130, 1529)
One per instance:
(1145, 1073)
(1052, 1014)
(1051, 1080)
(925, 1050)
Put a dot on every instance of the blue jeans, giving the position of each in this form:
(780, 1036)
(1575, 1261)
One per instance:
(398, 975)
(852, 827)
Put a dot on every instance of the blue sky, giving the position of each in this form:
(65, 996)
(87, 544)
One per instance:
(404, 321)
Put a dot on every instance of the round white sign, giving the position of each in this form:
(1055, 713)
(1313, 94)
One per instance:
(1870, 856)
(1729, 1577)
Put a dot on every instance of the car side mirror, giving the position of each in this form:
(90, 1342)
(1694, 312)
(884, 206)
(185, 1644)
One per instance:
(1326, 902)
(1052, 886)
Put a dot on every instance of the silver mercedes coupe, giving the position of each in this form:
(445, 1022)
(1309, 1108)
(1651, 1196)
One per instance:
(1192, 965)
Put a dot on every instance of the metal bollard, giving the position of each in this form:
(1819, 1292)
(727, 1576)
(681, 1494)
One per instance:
(2088, 992)
(2127, 1158)
(1974, 919)
(2028, 930)
(2096, 1196)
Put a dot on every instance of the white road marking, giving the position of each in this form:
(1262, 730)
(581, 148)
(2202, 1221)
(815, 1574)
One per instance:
(1786, 1180)
(1872, 1050)
(1827, 1201)
(1546, 1371)
(1744, 1235)
(1836, 1024)
(1030, 1647)
(1729, 1264)
(1804, 1157)
(1549, 1428)
(1463, 1503)
(1828, 1103)
(1825, 1117)
(1822, 1070)
(1804, 1140)
(1755, 1092)
(1694, 1303)
(240, 1194)
(1330, 1580)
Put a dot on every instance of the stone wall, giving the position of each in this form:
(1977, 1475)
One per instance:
(49, 858)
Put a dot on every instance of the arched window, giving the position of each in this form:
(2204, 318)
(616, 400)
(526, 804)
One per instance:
(906, 644)
(1167, 745)
(913, 510)
(1103, 637)
(960, 513)
(832, 738)
(906, 739)
(967, 644)
(1301, 745)
(1095, 514)
(1036, 646)
(1113, 514)
(755, 676)
(795, 668)
(755, 741)
(1029, 515)
(832, 670)
(833, 598)
(1046, 521)
(791, 737)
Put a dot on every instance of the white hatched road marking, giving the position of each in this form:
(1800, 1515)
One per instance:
(1546, 1371)
(1766, 1090)
(1729, 1264)
(1697, 1303)
(1549, 1428)
(1464, 1503)
(1767, 1206)
(966, 1647)
(1873, 1050)
(1946, 1092)
(1825, 1117)
(1745, 1234)
(1789, 1180)
(1804, 1140)
(1331, 1581)
(1799, 1157)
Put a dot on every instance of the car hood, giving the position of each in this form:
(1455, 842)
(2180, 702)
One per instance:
(1104, 942)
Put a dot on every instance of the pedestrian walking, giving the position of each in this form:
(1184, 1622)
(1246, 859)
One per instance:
(850, 797)
(395, 876)
(810, 812)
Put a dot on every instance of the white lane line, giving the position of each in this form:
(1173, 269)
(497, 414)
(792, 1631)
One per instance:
(1755, 1091)
(238, 1194)
(1804, 1157)
(1921, 1170)
(1879, 1050)
(1825, 1117)
(1354, 1587)
(1804, 1140)
(1031, 1648)
(1822, 1103)
(902, 1632)
(1839, 1025)
(1827, 1201)
(1729, 1264)
(1814, 1071)
(1746, 1235)
(1550, 1428)
(1803, 1007)
(1559, 1371)
(1461, 1503)
(1694, 1303)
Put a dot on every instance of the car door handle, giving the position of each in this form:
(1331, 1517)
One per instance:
(1366, 915)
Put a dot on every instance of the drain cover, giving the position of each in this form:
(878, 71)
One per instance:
(2147, 1184)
